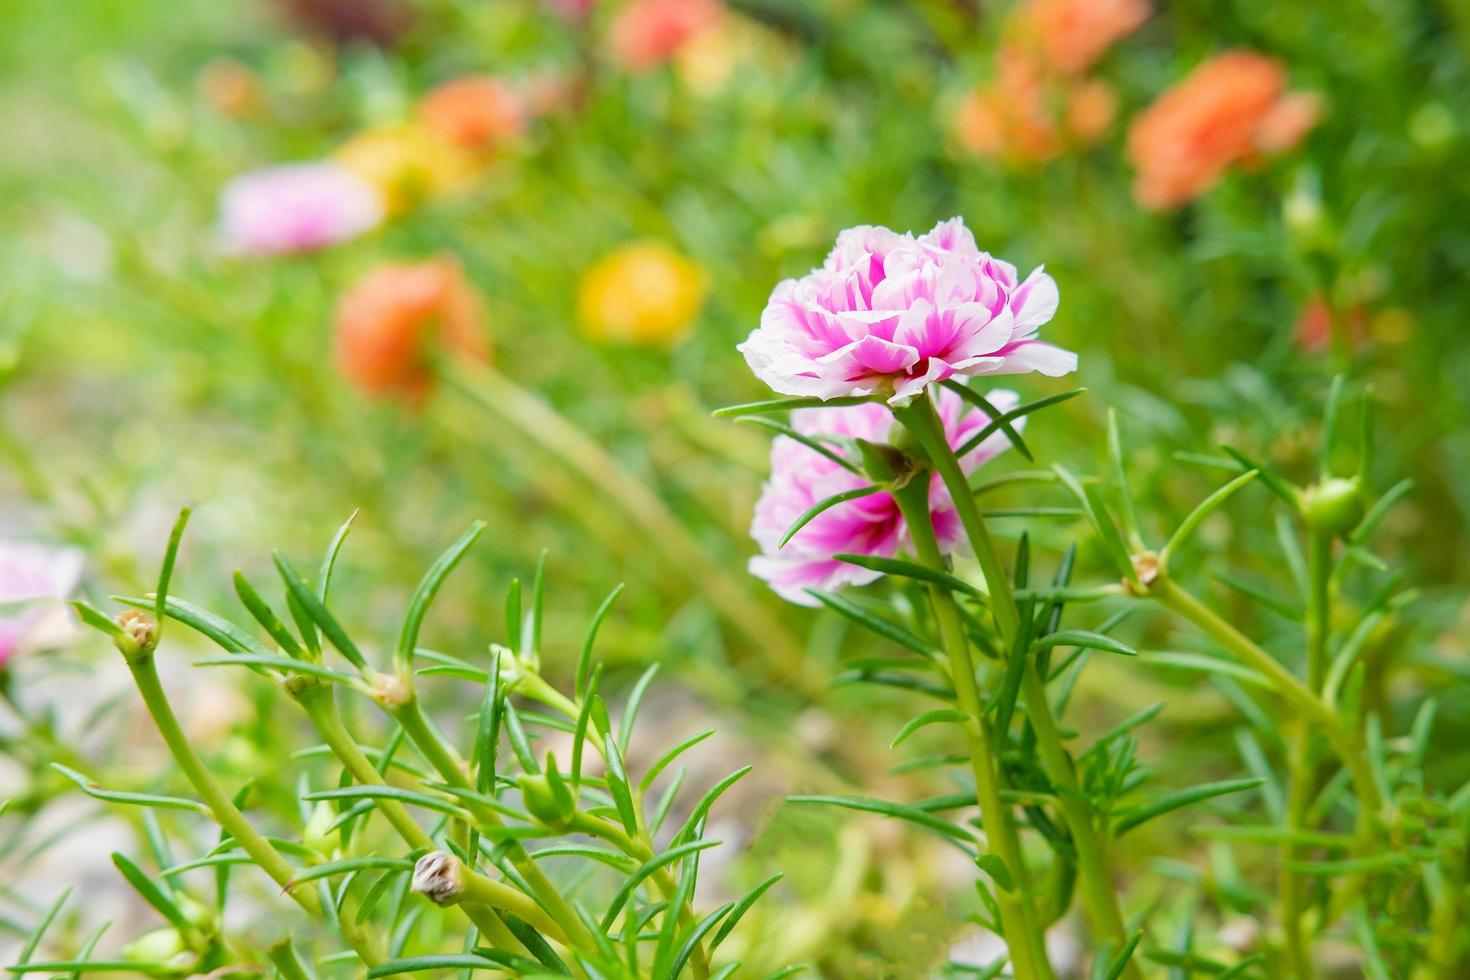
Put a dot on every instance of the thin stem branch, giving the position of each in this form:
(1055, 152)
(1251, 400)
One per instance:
(451, 770)
(1302, 764)
(1098, 893)
(145, 676)
(1347, 743)
(320, 704)
(639, 847)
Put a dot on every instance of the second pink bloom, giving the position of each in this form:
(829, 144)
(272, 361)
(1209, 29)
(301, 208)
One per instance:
(871, 525)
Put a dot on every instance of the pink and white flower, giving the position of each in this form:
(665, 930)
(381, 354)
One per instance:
(870, 525)
(298, 207)
(889, 314)
(34, 583)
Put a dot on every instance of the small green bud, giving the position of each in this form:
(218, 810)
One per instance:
(514, 666)
(201, 916)
(543, 800)
(885, 465)
(163, 949)
(1334, 506)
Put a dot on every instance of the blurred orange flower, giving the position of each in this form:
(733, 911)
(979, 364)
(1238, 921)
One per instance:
(389, 323)
(1090, 110)
(1040, 103)
(1009, 118)
(1073, 34)
(476, 112)
(641, 293)
(646, 33)
(1227, 111)
(1025, 116)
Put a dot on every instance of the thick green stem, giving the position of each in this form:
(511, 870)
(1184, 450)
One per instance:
(1302, 767)
(320, 704)
(1092, 862)
(922, 419)
(145, 676)
(411, 717)
(1018, 918)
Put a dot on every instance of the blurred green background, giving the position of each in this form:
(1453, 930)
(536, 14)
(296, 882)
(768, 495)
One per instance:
(140, 368)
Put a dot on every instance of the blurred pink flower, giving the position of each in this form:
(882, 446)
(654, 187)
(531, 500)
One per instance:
(34, 581)
(646, 33)
(871, 525)
(889, 314)
(298, 207)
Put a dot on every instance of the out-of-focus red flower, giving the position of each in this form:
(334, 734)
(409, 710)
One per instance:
(646, 33)
(476, 112)
(1228, 110)
(380, 22)
(391, 321)
(1314, 327)
(1072, 35)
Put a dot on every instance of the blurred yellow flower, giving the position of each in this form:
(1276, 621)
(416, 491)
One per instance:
(406, 164)
(641, 293)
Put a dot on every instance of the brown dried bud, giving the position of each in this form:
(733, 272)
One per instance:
(438, 877)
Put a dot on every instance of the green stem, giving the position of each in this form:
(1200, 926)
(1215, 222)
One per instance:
(317, 701)
(1302, 767)
(145, 676)
(1092, 864)
(411, 717)
(320, 704)
(1018, 918)
(922, 419)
